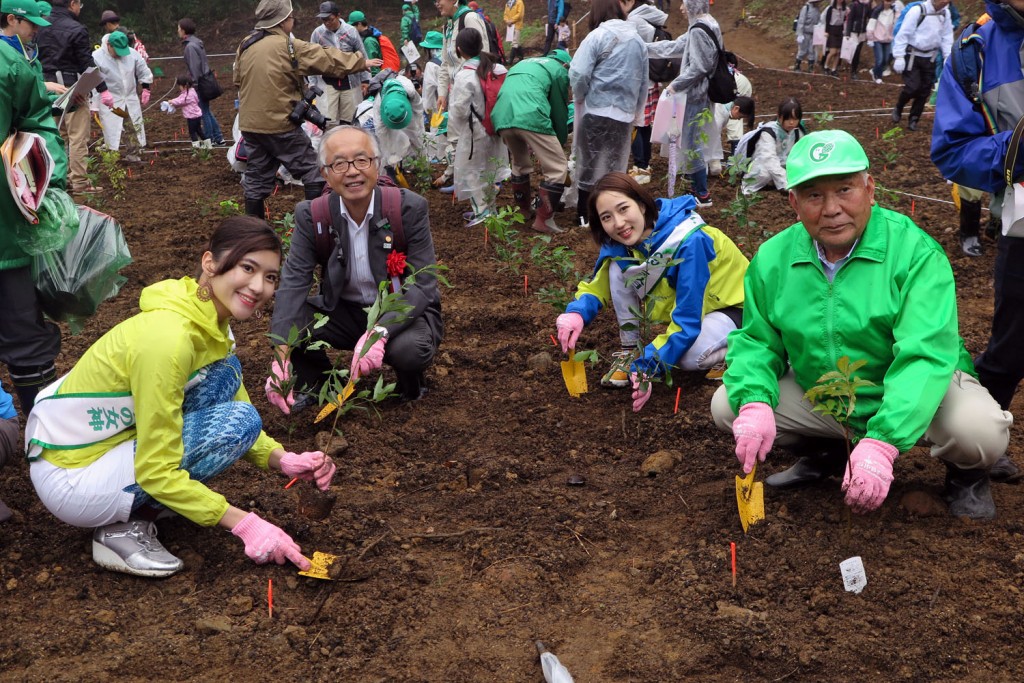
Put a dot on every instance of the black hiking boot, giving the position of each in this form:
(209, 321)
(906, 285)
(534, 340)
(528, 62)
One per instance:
(968, 493)
(820, 458)
(1005, 471)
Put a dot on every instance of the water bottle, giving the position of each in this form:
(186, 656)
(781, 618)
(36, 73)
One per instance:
(554, 671)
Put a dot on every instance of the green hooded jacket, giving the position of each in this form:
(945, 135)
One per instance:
(24, 106)
(893, 304)
(534, 97)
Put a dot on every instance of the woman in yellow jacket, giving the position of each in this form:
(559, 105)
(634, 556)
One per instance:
(156, 407)
(515, 12)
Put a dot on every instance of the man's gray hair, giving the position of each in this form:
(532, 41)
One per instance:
(322, 154)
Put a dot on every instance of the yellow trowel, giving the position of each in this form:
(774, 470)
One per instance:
(750, 499)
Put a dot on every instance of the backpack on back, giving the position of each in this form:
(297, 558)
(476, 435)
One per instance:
(965, 60)
(415, 31)
(490, 85)
(663, 70)
(721, 82)
(903, 14)
(746, 145)
(493, 45)
(389, 54)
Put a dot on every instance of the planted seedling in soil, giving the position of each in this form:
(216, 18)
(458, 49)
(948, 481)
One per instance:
(508, 246)
(890, 155)
(835, 394)
(560, 263)
(822, 119)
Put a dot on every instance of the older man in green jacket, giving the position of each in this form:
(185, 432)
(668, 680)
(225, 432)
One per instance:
(532, 112)
(28, 343)
(853, 279)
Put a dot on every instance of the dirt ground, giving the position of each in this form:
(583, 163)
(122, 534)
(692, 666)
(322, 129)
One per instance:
(463, 543)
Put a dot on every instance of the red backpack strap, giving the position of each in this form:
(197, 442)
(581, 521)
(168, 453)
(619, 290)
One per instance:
(391, 206)
(320, 208)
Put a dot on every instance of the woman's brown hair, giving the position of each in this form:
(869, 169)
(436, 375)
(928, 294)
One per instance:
(603, 10)
(622, 183)
(240, 235)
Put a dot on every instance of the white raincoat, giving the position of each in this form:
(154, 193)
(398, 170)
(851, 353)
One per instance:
(768, 160)
(123, 76)
(396, 145)
(480, 159)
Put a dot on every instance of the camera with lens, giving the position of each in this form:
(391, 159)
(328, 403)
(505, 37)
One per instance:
(305, 111)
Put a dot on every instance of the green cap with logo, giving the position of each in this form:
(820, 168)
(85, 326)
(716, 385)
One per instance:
(824, 153)
(395, 110)
(28, 10)
(356, 17)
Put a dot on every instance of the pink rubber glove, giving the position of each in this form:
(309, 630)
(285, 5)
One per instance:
(754, 431)
(279, 376)
(145, 96)
(569, 326)
(310, 466)
(107, 99)
(363, 363)
(869, 475)
(265, 542)
(640, 395)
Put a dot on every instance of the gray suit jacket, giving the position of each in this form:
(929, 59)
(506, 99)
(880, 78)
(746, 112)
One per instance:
(295, 306)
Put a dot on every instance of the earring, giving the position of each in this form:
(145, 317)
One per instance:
(259, 314)
(204, 293)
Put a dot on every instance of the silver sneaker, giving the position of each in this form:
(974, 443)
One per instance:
(131, 547)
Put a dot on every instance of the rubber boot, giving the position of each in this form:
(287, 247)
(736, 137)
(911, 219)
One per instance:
(796, 67)
(255, 207)
(411, 385)
(544, 220)
(970, 227)
(968, 493)
(521, 193)
(28, 381)
(819, 459)
(313, 190)
(582, 210)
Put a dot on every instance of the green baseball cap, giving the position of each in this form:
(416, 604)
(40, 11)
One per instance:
(45, 9)
(395, 110)
(433, 40)
(119, 41)
(824, 153)
(560, 55)
(28, 10)
(356, 17)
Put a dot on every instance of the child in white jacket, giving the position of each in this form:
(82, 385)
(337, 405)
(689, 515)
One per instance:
(481, 160)
(774, 140)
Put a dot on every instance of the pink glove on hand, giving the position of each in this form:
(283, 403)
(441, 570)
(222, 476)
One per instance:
(310, 466)
(569, 327)
(363, 363)
(145, 96)
(265, 542)
(279, 376)
(642, 390)
(869, 475)
(107, 99)
(754, 431)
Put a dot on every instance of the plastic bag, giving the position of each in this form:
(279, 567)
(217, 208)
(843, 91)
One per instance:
(75, 280)
(58, 221)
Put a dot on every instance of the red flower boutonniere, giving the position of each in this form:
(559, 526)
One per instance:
(396, 267)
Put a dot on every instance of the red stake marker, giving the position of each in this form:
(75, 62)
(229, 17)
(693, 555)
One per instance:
(270, 598)
(732, 549)
(486, 235)
(912, 207)
(526, 285)
(291, 483)
(553, 341)
(676, 409)
(876, 132)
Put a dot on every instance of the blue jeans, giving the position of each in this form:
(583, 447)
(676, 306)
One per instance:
(210, 125)
(699, 182)
(883, 52)
(216, 429)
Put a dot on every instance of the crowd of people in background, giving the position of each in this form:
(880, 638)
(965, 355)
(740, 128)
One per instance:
(347, 112)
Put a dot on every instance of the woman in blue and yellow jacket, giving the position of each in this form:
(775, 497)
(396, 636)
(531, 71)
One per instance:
(657, 256)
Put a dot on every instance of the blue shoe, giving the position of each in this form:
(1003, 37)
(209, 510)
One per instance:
(448, 189)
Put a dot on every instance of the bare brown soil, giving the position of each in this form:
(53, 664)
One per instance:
(463, 542)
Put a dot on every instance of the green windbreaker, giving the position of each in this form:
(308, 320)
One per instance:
(892, 304)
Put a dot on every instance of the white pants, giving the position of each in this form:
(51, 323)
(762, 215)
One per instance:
(89, 496)
(707, 350)
(114, 124)
(969, 429)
